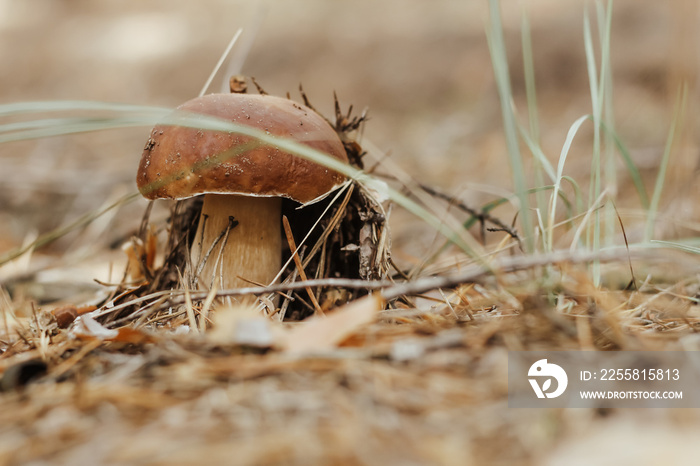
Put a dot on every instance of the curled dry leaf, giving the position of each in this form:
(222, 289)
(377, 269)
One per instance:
(243, 325)
(88, 328)
(65, 315)
(141, 254)
(135, 252)
(322, 333)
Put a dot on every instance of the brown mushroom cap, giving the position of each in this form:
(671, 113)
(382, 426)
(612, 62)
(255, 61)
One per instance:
(176, 161)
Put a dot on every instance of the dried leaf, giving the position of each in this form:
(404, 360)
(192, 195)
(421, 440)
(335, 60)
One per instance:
(88, 328)
(324, 333)
(151, 247)
(131, 335)
(243, 325)
(136, 254)
(65, 315)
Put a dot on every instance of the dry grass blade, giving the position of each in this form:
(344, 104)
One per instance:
(633, 281)
(230, 45)
(300, 267)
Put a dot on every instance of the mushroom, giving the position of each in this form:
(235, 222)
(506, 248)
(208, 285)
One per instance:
(242, 181)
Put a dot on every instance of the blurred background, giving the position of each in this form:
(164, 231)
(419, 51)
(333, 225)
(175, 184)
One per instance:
(422, 70)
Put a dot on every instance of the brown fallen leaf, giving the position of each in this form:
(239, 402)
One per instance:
(88, 328)
(65, 315)
(132, 335)
(321, 333)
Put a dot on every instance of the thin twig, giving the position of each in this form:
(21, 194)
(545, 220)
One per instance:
(481, 216)
(258, 87)
(633, 281)
(470, 274)
(289, 299)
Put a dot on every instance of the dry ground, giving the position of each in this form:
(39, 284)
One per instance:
(413, 387)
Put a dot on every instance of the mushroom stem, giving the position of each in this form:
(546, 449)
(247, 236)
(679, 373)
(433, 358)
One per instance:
(252, 249)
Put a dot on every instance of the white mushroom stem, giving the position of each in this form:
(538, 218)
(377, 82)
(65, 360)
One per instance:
(252, 249)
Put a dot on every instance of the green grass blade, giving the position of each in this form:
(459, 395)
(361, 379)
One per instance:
(537, 153)
(533, 119)
(678, 112)
(593, 236)
(25, 108)
(529, 72)
(578, 196)
(573, 130)
(606, 100)
(148, 116)
(65, 126)
(499, 61)
(679, 246)
(59, 232)
(632, 169)
(489, 206)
